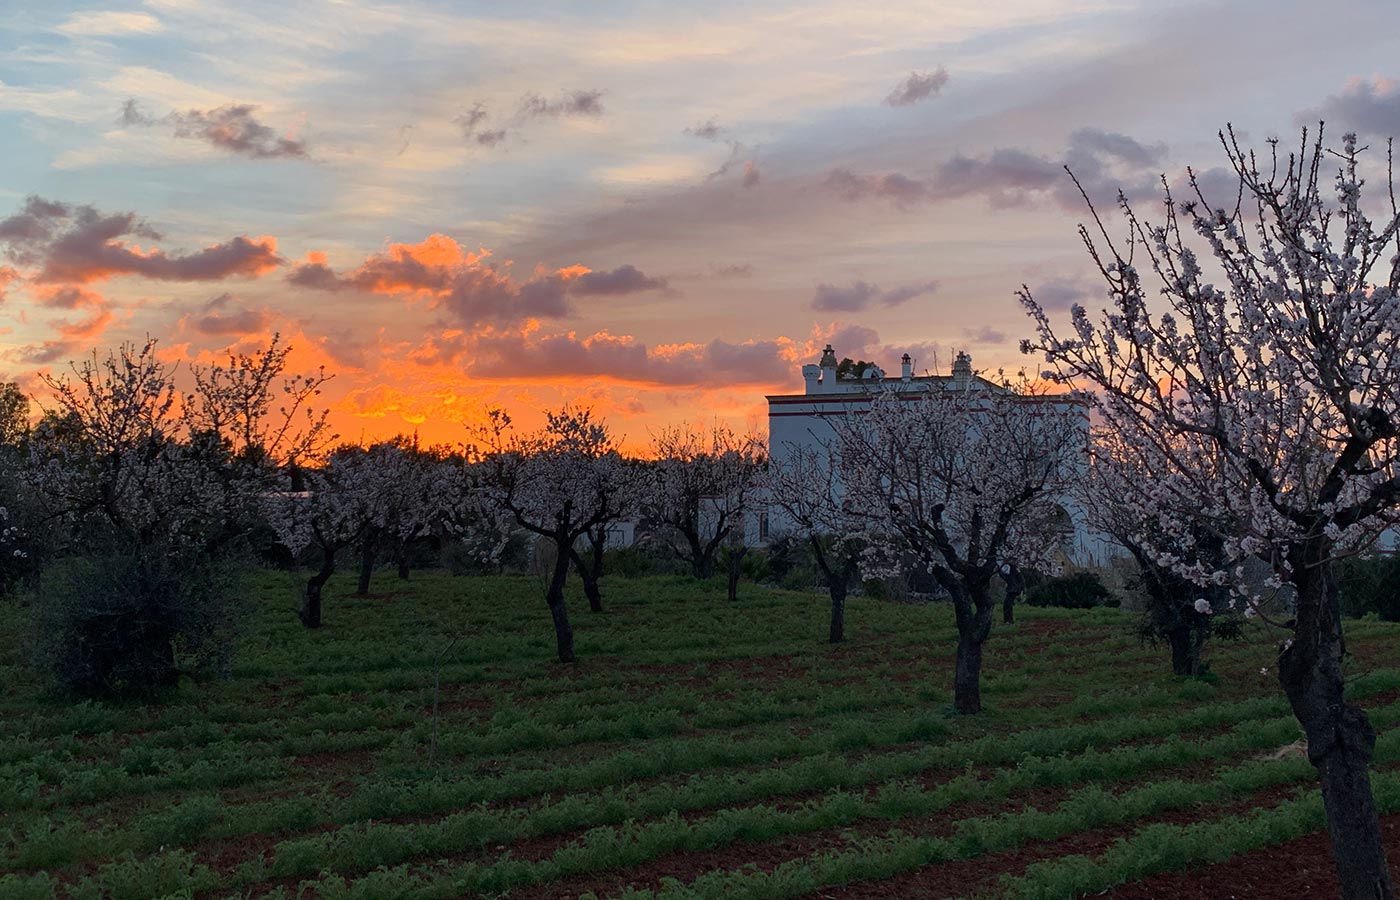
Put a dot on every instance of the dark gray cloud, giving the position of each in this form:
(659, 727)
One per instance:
(472, 291)
(619, 358)
(625, 279)
(861, 294)
(984, 335)
(219, 318)
(917, 87)
(572, 103)
(469, 120)
(71, 244)
(898, 188)
(1366, 105)
(69, 296)
(472, 122)
(1061, 293)
(707, 130)
(1103, 162)
(860, 342)
(1220, 186)
(740, 156)
(73, 338)
(232, 128)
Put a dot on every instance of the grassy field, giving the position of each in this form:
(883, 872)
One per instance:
(699, 749)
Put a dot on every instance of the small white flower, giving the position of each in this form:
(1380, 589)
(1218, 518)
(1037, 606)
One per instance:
(1203, 606)
(1264, 671)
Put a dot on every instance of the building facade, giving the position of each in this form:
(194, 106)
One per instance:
(809, 419)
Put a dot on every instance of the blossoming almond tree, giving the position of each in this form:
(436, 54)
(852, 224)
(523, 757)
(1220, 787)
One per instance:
(1284, 359)
(701, 485)
(128, 468)
(1182, 612)
(362, 495)
(557, 483)
(805, 486)
(967, 479)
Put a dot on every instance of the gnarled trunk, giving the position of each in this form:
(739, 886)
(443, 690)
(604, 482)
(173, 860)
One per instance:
(1340, 738)
(589, 575)
(837, 589)
(367, 548)
(401, 558)
(973, 606)
(590, 568)
(1186, 642)
(702, 558)
(554, 597)
(838, 580)
(310, 612)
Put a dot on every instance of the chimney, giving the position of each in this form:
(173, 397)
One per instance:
(962, 371)
(810, 375)
(828, 366)
(906, 367)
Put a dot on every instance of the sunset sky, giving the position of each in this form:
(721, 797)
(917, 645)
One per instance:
(661, 210)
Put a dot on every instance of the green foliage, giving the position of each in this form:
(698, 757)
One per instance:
(693, 726)
(629, 562)
(1370, 585)
(1077, 590)
(120, 625)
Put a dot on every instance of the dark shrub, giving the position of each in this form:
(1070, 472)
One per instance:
(786, 553)
(1079, 590)
(629, 562)
(1370, 584)
(755, 567)
(119, 625)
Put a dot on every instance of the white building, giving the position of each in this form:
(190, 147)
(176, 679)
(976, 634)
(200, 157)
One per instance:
(806, 420)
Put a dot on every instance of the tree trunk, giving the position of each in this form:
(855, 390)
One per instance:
(1340, 738)
(311, 603)
(563, 631)
(590, 580)
(366, 565)
(974, 616)
(401, 558)
(702, 563)
(837, 588)
(1185, 643)
(1015, 585)
(837, 583)
(733, 568)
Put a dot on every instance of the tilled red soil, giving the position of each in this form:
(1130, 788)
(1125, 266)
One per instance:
(929, 881)
(979, 876)
(1300, 868)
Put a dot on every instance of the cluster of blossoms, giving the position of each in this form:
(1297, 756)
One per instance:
(128, 458)
(1266, 407)
(14, 553)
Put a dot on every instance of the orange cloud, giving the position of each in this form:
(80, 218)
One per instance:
(459, 281)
